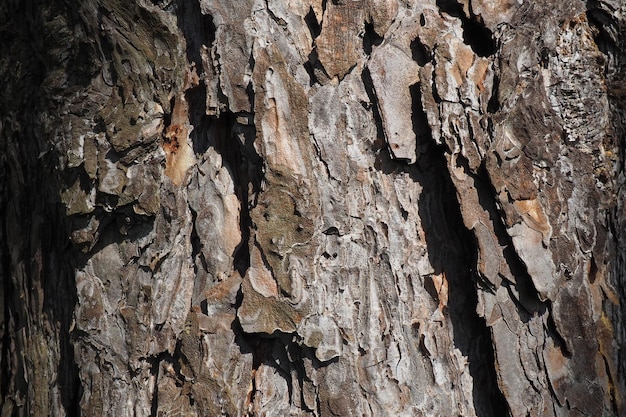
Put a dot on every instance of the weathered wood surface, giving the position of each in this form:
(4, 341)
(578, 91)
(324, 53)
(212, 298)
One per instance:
(324, 208)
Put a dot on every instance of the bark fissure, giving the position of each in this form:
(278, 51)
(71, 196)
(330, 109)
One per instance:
(324, 209)
(475, 33)
(527, 297)
(471, 334)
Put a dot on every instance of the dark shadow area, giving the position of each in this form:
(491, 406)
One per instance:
(370, 38)
(198, 29)
(366, 77)
(311, 22)
(606, 30)
(234, 141)
(527, 300)
(60, 300)
(174, 360)
(316, 71)
(279, 351)
(420, 53)
(196, 98)
(419, 120)
(231, 138)
(36, 272)
(453, 251)
(475, 33)
(478, 37)
(493, 105)
(155, 365)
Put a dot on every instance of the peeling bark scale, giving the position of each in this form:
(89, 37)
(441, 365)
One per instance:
(313, 208)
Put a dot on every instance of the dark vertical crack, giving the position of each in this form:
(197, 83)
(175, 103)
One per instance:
(420, 53)
(366, 78)
(311, 22)
(155, 363)
(370, 38)
(528, 301)
(232, 136)
(314, 68)
(452, 250)
(419, 120)
(493, 105)
(196, 244)
(64, 298)
(234, 141)
(198, 29)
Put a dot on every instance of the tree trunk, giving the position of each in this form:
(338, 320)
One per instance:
(322, 208)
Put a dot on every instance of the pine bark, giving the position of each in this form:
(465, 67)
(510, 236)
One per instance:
(312, 208)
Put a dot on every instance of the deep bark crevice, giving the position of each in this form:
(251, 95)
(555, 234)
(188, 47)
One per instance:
(155, 364)
(451, 249)
(196, 244)
(370, 38)
(311, 22)
(475, 33)
(59, 301)
(235, 143)
(420, 53)
(471, 334)
(198, 29)
(493, 105)
(528, 295)
(419, 120)
(605, 29)
(366, 78)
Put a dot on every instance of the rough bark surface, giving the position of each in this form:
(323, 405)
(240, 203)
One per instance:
(312, 208)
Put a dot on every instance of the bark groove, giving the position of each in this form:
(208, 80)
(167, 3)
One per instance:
(312, 208)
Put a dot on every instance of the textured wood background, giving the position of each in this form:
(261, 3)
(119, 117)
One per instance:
(312, 208)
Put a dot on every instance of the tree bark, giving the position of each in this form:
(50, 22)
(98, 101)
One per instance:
(321, 208)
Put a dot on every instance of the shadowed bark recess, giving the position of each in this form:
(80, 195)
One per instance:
(374, 208)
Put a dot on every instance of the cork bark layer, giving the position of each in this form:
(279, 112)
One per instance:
(313, 208)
